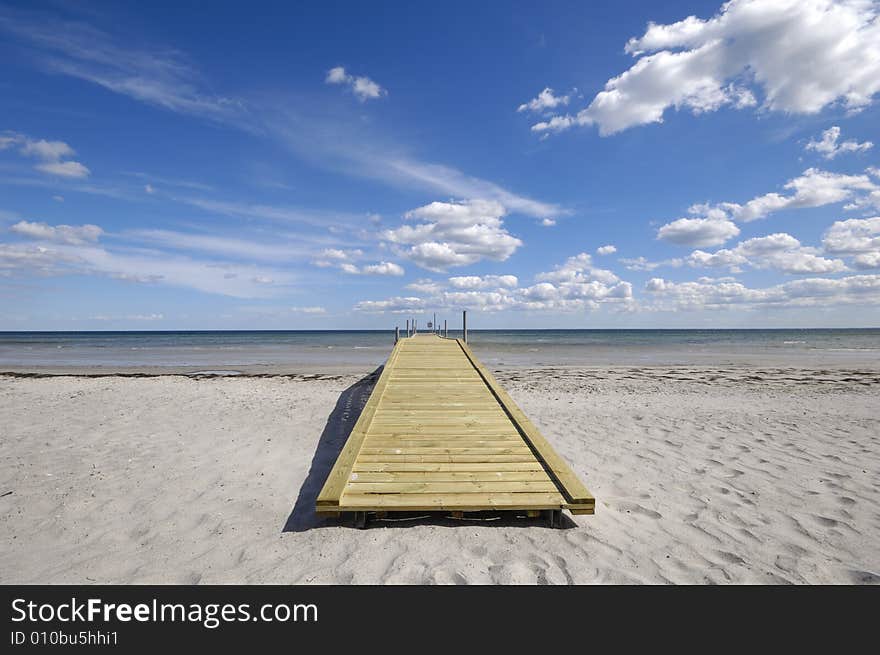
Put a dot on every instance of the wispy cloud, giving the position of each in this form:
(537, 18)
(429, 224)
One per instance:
(64, 249)
(161, 76)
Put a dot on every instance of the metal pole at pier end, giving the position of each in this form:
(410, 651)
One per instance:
(464, 325)
(396, 334)
(445, 329)
(407, 327)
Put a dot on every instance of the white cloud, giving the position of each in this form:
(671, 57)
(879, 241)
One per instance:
(859, 238)
(803, 56)
(51, 154)
(363, 87)
(425, 286)
(46, 150)
(471, 282)
(778, 251)
(829, 148)
(813, 188)
(58, 233)
(698, 232)
(573, 286)
(713, 224)
(309, 310)
(454, 234)
(64, 169)
(642, 264)
(382, 268)
(548, 222)
(709, 293)
(396, 305)
(544, 101)
(335, 256)
(606, 250)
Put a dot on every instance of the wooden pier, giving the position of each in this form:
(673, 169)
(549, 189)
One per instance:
(439, 433)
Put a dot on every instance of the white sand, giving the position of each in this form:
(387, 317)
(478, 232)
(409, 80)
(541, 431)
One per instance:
(701, 475)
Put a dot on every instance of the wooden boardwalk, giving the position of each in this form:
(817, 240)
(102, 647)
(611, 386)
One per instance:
(439, 433)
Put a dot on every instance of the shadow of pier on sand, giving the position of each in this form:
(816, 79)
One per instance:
(339, 425)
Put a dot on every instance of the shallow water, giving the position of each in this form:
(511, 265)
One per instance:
(230, 351)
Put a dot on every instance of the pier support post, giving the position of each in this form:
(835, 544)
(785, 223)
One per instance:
(445, 329)
(407, 327)
(464, 325)
(396, 334)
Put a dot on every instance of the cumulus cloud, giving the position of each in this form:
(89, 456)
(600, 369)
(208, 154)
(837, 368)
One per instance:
(778, 251)
(698, 232)
(59, 233)
(859, 238)
(714, 224)
(829, 147)
(52, 155)
(484, 282)
(449, 234)
(382, 268)
(548, 222)
(606, 250)
(800, 57)
(544, 101)
(709, 293)
(575, 285)
(363, 87)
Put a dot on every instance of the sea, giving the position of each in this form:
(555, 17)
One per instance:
(241, 352)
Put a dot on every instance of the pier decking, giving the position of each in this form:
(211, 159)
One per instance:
(439, 433)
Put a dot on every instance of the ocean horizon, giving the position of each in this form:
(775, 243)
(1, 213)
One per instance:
(286, 350)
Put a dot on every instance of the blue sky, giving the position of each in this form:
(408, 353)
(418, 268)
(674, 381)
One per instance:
(340, 165)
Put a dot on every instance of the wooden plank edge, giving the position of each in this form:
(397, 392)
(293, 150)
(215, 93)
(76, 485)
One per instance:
(569, 484)
(333, 487)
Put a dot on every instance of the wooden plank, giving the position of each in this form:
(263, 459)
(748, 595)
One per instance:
(447, 458)
(434, 442)
(448, 476)
(462, 502)
(367, 449)
(402, 467)
(453, 487)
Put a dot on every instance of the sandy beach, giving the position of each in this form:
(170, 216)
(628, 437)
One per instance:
(701, 474)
